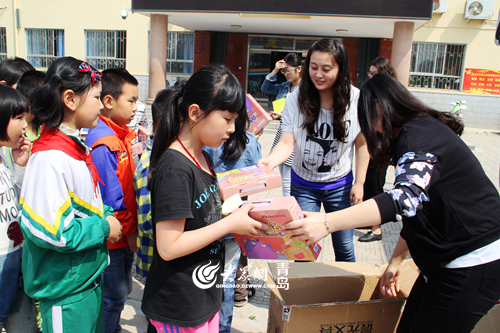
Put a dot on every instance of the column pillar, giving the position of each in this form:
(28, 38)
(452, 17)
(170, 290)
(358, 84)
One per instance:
(402, 43)
(158, 39)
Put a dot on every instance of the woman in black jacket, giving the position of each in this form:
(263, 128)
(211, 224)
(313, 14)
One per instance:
(449, 208)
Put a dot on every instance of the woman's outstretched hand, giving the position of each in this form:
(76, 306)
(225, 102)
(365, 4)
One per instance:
(310, 229)
(266, 161)
(389, 282)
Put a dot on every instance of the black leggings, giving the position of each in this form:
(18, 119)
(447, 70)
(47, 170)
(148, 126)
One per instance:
(453, 300)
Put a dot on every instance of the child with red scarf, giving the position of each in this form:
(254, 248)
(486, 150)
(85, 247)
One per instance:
(64, 221)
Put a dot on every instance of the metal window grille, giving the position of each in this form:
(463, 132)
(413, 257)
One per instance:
(437, 66)
(180, 53)
(43, 46)
(3, 44)
(106, 48)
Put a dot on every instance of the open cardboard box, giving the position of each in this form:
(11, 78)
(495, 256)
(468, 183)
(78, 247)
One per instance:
(334, 297)
(490, 323)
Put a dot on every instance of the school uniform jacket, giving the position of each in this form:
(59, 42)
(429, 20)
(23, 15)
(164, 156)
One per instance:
(111, 152)
(64, 226)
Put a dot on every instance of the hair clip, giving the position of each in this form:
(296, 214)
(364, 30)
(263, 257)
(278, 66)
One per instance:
(96, 75)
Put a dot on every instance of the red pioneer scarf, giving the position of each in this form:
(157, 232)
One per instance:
(54, 139)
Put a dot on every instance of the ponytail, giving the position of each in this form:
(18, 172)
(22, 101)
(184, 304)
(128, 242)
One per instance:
(212, 88)
(167, 128)
(46, 104)
(237, 142)
(65, 73)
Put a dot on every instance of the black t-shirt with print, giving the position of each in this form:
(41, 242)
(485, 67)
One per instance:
(183, 292)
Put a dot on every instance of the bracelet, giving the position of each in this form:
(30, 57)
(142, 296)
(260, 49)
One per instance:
(326, 224)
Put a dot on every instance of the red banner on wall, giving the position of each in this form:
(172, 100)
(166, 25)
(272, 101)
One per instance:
(481, 81)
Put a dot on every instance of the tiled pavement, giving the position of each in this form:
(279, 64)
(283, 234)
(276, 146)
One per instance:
(253, 316)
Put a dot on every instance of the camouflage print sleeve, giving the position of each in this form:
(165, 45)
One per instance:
(413, 176)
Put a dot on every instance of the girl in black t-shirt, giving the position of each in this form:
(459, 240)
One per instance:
(184, 289)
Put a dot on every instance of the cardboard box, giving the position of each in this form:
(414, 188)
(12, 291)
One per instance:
(257, 116)
(247, 180)
(333, 297)
(276, 212)
(490, 323)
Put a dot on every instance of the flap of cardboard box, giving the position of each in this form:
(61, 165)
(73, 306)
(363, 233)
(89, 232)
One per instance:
(490, 323)
(270, 283)
(317, 283)
(330, 282)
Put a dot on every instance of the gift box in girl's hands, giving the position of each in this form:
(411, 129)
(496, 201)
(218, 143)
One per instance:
(276, 212)
(247, 180)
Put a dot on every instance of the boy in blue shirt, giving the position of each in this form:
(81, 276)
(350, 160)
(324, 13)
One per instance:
(111, 151)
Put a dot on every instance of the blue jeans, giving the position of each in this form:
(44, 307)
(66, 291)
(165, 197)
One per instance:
(116, 285)
(310, 200)
(232, 256)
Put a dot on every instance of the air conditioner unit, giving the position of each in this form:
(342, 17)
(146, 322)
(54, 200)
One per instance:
(479, 9)
(440, 6)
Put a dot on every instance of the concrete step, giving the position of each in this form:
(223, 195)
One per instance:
(273, 124)
(272, 127)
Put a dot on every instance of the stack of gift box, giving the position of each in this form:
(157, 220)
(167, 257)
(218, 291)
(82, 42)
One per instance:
(274, 212)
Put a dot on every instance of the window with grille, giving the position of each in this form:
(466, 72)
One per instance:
(106, 48)
(437, 66)
(43, 46)
(3, 44)
(180, 52)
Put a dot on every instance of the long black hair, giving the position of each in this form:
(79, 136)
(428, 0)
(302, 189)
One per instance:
(384, 96)
(309, 98)
(46, 101)
(12, 104)
(237, 142)
(212, 88)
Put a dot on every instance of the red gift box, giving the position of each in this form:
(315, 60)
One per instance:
(139, 144)
(276, 212)
(257, 116)
(247, 180)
